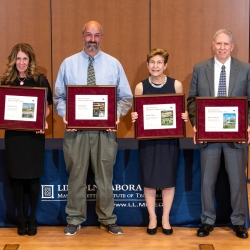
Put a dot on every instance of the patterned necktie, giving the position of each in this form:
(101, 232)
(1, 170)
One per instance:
(91, 73)
(222, 89)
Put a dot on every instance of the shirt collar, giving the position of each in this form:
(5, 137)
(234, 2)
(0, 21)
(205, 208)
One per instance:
(86, 57)
(227, 63)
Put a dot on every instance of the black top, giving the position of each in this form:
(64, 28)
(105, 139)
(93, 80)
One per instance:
(168, 88)
(41, 82)
(158, 159)
(25, 149)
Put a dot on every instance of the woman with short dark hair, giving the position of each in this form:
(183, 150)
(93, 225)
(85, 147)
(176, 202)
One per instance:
(158, 159)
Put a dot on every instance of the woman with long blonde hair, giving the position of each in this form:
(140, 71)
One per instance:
(25, 149)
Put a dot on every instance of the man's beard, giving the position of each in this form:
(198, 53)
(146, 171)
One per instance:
(91, 46)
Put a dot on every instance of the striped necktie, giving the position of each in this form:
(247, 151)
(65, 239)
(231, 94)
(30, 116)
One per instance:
(222, 89)
(91, 72)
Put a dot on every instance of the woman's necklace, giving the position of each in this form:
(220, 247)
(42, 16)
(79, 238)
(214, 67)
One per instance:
(22, 81)
(155, 85)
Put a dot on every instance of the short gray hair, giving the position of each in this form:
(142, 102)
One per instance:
(225, 31)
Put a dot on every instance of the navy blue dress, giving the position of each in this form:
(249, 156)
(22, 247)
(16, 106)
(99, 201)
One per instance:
(158, 159)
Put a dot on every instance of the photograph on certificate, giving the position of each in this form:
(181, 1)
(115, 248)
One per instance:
(221, 119)
(159, 116)
(91, 107)
(20, 108)
(98, 109)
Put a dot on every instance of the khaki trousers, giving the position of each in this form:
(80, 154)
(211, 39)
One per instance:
(96, 149)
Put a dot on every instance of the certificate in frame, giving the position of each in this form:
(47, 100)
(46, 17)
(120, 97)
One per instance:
(221, 119)
(159, 116)
(91, 107)
(22, 108)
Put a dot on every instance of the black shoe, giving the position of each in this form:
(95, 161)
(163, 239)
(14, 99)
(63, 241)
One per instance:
(167, 231)
(204, 230)
(21, 227)
(240, 231)
(152, 231)
(32, 227)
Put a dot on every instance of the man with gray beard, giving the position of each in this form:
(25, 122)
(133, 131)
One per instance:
(96, 148)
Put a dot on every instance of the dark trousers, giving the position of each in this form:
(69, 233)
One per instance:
(235, 164)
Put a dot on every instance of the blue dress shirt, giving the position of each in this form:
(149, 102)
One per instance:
(108, 71)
